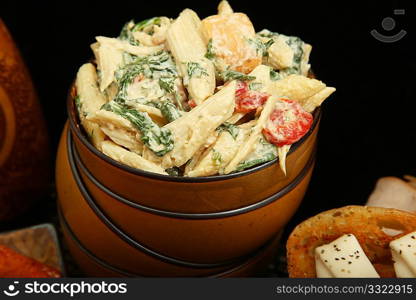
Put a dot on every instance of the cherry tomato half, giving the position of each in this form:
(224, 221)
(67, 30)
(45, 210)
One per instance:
(288, 123)
(247, 100)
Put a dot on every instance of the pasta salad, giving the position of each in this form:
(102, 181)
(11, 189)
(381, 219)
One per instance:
(192, 97)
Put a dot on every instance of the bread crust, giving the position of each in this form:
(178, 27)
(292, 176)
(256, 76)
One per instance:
(368, 224)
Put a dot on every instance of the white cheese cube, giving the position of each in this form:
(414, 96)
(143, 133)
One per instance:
(403, 251)
(343, 258)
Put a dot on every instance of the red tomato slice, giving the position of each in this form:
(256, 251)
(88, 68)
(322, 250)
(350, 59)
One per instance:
(192, 103)
(247, 100)
(288, 123)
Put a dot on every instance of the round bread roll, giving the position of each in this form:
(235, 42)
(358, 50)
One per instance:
(374, 228)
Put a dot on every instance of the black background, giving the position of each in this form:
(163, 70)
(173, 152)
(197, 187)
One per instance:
(368, 126)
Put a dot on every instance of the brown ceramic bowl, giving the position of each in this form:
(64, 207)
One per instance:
(96, 267)
(159, 243)
(190, 194)
(186, 226)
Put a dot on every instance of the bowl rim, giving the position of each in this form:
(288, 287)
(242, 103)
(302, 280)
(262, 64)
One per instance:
(128, 239)
(238, 265)
(75, 127)
(78, 166)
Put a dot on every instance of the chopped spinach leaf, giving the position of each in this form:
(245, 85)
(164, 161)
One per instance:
(251, 163)
(255, 86)
(232, 129)
(228, 75)
(143, 24)
(195, 69)
(275, 75)
(169, 111)
(174, 171)
(78, 102)
(127, 35)
(216, 157)
(210, 51)
(261, 48)
(167, 84)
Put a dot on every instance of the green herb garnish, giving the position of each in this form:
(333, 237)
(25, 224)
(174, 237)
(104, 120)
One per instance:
(232, 129)
(255, 86)
(174, 171)
(143, 24)
(216, 157)
(275, 75)
(126, 34)
(228, 75)
(261, 48)
(169, 111)
(265, 152)
(210, 51)
(195, 69)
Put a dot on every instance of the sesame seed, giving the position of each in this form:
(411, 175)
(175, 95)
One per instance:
(343, 258)
(350, 262)
(413, 237)
(400, 252)
(336, 258)
(322, 251)
(409, 245)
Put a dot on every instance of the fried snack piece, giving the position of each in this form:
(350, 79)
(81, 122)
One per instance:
(15, 265)
(368, 224)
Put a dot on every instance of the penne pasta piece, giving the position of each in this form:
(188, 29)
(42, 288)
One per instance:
(129, 158)
(262, 74)
(193, 16)
(280, 55)
(309, 104)
(190, 165)
(191, 131)
(216, 157)
(282, 153)
(255, 135)
(185, 42)
(304, 64)
(296, 87)
(88, 101)
(235, 117)
(126, 47)
(224, 8)
(108, 61)
(144, 38)
(118, 130)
